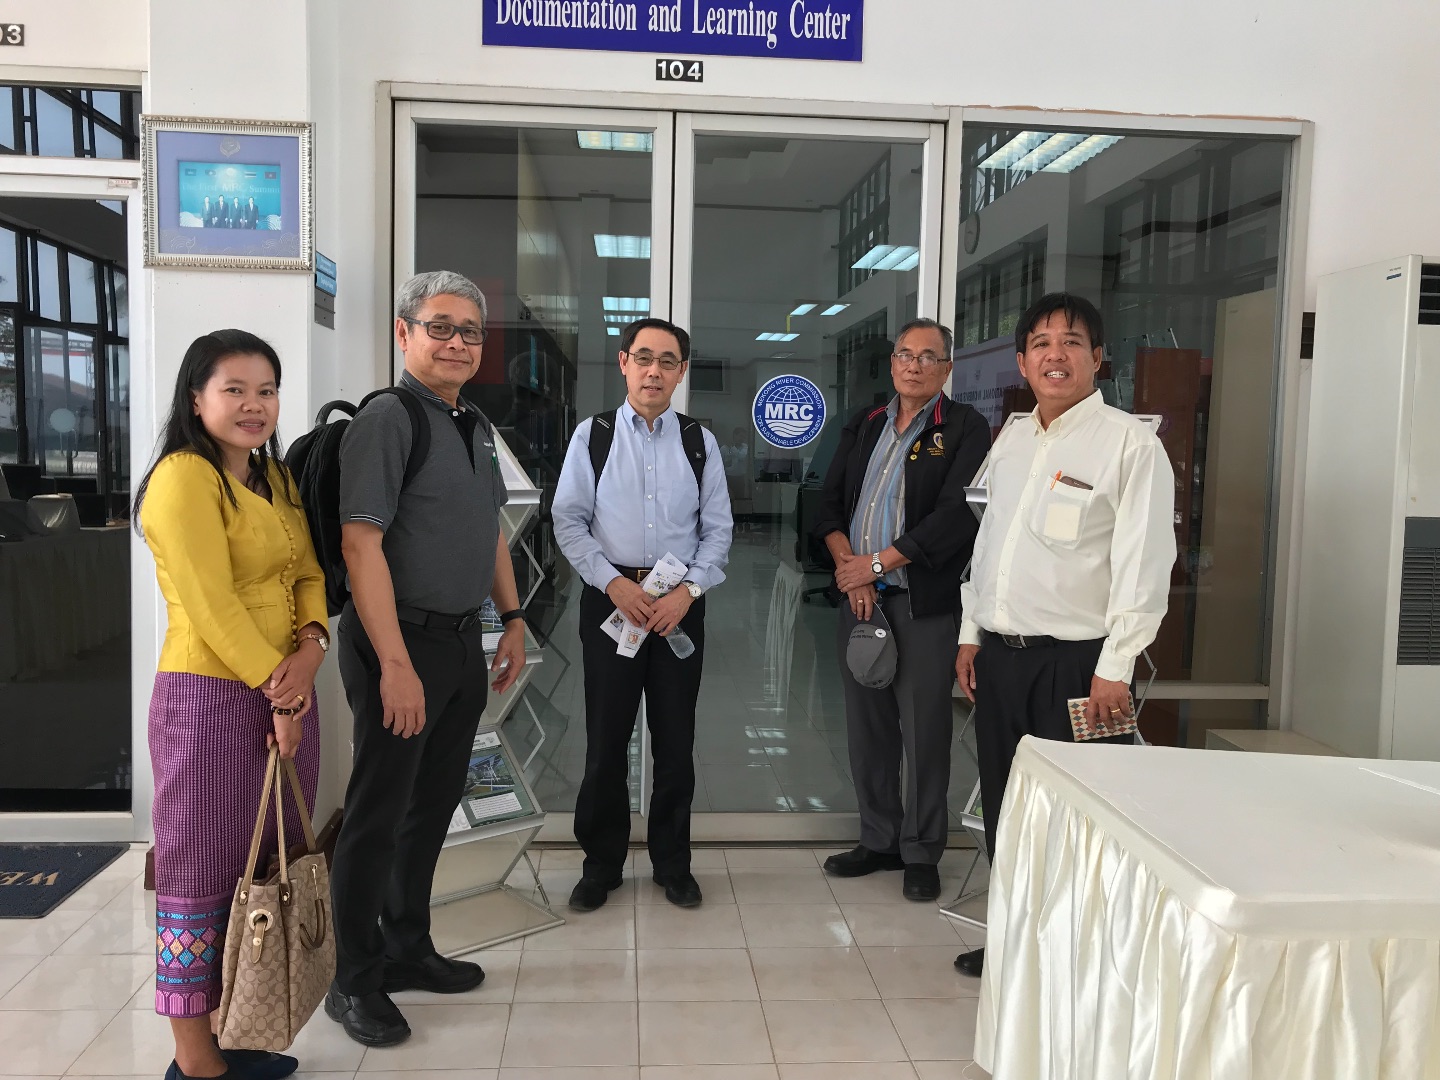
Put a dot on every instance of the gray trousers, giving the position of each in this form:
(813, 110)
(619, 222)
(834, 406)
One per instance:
(908, 723)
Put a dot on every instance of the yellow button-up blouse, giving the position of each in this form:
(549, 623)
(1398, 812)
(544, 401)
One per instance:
(238, 582)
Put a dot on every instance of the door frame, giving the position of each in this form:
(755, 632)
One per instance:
(671, 250)
(111, 181)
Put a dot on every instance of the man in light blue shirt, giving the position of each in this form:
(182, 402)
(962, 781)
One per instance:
(660, 489)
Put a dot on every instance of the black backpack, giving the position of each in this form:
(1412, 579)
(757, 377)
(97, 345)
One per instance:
(692, 438)
(314, 462)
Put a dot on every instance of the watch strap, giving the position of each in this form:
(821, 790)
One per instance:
(511, 615)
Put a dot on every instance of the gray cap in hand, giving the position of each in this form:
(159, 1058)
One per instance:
(871, 653)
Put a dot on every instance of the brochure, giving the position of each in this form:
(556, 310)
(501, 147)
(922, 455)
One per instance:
(666, 575)
(492, 791)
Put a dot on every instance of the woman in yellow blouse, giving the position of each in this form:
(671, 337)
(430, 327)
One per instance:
(245, 598)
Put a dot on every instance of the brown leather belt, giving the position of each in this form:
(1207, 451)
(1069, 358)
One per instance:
(634, 573)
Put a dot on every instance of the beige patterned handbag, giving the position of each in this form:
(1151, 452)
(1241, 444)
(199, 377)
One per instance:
(279, 951)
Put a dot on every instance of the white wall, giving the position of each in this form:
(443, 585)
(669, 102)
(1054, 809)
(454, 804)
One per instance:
(1367, 84)
(108, 35)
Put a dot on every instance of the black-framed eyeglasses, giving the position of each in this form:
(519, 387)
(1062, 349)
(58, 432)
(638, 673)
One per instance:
(444, 331)
(643, 358)
(926, 360)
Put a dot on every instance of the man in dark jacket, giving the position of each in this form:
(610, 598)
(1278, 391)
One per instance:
(895, 520)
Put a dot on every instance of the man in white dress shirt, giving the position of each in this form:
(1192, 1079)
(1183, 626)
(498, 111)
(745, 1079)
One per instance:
(1071, 572)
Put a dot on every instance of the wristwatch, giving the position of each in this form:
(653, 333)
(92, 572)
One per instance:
(694, 590)
(876, 566)
(320, 639)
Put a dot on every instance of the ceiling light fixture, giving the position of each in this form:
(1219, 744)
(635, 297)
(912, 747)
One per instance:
(640, 141)
(627, 303)
(888, 257)
(610, 246)
(804, 309)
(1079, 154)
(834, 309)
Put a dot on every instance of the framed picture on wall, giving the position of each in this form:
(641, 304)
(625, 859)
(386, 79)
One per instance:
(227, 194)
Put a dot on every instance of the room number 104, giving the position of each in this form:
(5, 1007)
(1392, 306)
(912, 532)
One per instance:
(680, 70)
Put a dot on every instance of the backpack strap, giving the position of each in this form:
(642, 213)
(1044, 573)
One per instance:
(419, 427)
(692, 438)
(602, 434)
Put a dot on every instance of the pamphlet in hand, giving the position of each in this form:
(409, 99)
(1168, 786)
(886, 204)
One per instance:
(667, 574)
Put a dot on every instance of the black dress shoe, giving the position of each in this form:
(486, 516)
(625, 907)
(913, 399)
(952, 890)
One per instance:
(591, 892)
(922, 881)
(971, 963)
(682, 890)
(435, 974)
(371, 1019)
(860, 861)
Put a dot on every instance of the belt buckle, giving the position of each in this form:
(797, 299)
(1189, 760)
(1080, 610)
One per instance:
(467, 621)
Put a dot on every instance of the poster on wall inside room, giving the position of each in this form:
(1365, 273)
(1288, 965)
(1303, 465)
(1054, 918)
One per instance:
(227, 194)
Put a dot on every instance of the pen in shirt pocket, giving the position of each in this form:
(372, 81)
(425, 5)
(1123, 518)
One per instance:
(1069, 481)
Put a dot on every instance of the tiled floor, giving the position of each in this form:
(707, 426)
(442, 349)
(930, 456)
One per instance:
(782, 974)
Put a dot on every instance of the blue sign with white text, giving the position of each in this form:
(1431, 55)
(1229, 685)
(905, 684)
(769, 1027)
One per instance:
(789, 411)
(789, 29)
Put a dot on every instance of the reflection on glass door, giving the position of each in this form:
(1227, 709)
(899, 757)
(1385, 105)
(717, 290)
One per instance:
(553, 220)
(64, 562)
(805, 258)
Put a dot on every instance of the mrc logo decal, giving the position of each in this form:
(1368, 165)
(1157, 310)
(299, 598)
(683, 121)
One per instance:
(789, 411)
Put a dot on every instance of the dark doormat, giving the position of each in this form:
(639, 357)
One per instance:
(34, 878)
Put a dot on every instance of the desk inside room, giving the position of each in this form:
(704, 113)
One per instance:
(1198, 915)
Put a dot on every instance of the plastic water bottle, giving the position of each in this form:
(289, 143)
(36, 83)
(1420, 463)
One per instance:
(680, 643)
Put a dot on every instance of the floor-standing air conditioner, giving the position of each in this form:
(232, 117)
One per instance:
(1367, 659)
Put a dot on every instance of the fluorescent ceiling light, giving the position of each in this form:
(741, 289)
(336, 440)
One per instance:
(610, 246)
(834, 309)
(627, 303)
(1015, 149)
(1082, 152)
(640, 141)
(889, 257)
(776, 337)
(1048, 151)
(613, 331)
(804, 309)
(622, 320)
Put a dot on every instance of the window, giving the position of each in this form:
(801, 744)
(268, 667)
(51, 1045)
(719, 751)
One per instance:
(1177, 239)
(52, 121)
(64, 349)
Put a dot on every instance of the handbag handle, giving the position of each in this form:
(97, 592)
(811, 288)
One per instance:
(273, 767)
(254, 856)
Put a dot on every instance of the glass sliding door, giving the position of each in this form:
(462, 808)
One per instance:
(65, 606)
(801, 248)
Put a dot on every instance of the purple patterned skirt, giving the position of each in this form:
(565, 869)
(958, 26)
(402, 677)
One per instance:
(207, 748)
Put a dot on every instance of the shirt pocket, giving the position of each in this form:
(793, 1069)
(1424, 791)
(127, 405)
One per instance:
(1063, 512)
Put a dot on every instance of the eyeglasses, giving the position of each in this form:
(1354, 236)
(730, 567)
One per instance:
(444, 331)
(926, 360)
(667, 361)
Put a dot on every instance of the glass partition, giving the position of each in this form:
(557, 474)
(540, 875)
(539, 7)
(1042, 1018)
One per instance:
(1178, 240)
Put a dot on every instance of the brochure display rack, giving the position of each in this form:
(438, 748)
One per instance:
(498, 816)
(494, 824)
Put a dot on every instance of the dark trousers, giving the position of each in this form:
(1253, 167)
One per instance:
(1021, 692)
(401, 797)
(613, 687)
(909, 723)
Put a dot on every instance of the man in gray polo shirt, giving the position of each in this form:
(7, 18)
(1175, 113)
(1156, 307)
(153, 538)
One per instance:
(422, 555)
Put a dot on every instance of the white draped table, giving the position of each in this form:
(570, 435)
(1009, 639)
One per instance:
(1211, 915)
